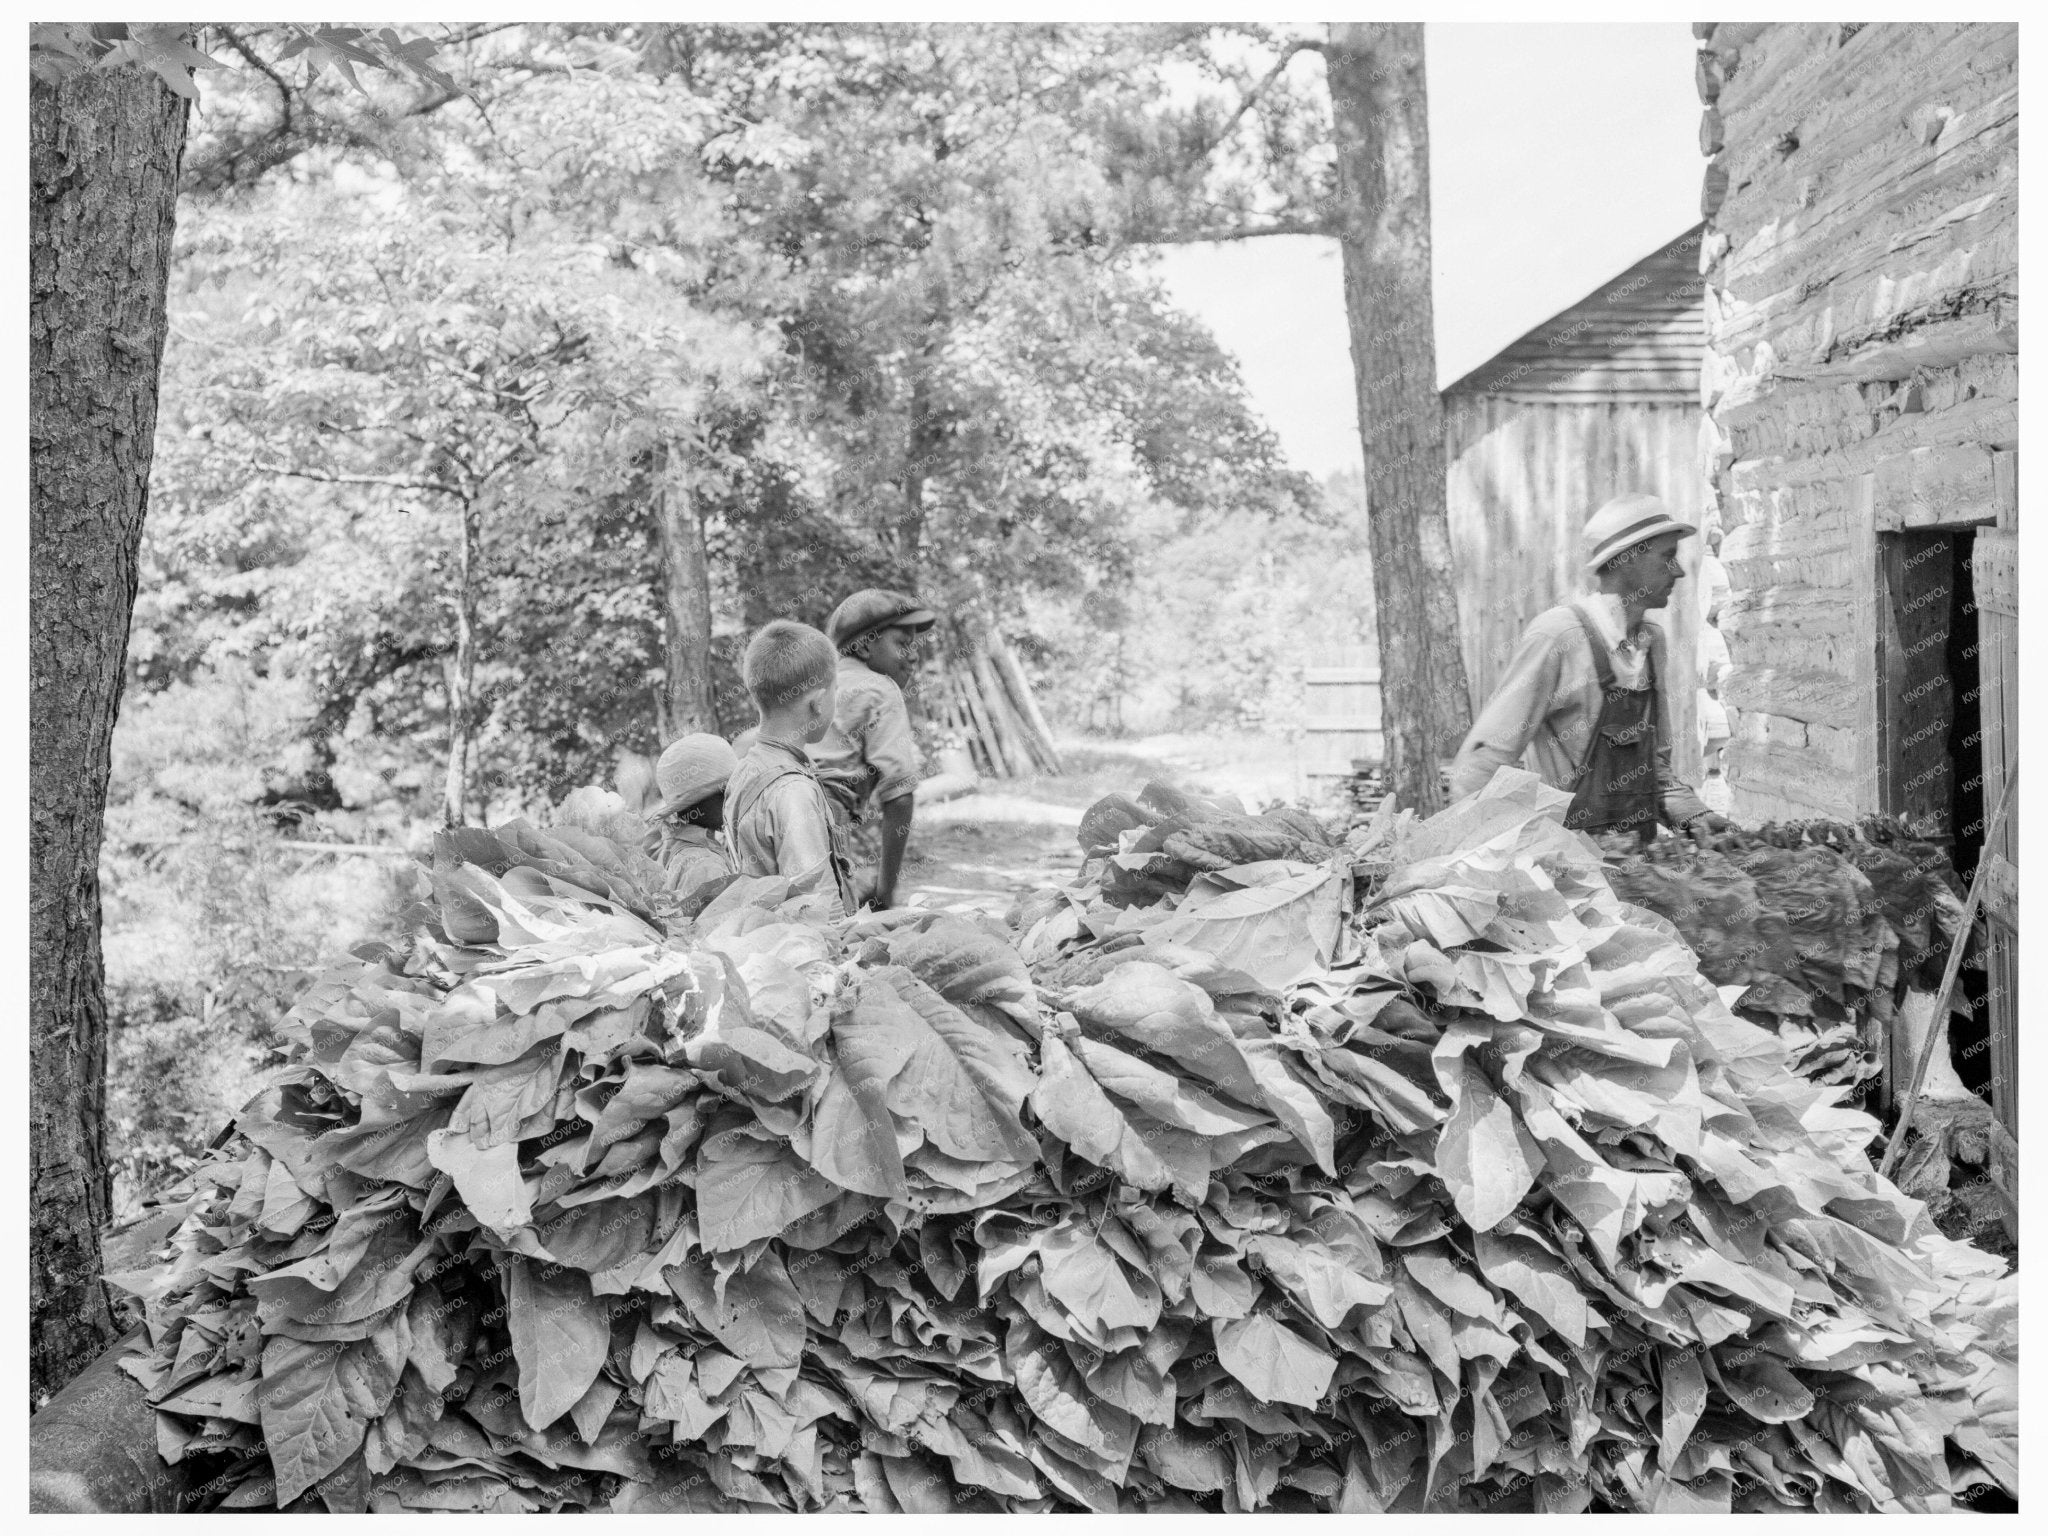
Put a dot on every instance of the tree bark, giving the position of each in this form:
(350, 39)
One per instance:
(1380, 116)
(910, 523)
(461, 673)
(104, 147)
(685, 608)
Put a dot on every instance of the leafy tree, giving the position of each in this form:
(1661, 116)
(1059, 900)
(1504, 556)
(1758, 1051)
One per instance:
(1254, 149)
(492, 370)
(1066, 390)
(989, 385)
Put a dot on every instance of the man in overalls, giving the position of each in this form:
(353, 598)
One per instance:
(1583, 696)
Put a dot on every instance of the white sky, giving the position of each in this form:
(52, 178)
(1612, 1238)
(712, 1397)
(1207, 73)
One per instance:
(1560, 154)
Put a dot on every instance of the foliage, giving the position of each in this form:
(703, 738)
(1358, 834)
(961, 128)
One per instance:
(1214, 622)
(510, 339)
(987, 389)
(572, 1198)
(212, 927)
(836, 296)
(59, 49)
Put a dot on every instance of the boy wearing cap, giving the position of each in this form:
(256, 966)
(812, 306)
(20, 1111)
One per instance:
(1583, 691)
(691, 777)
(776, 818)
(869, 757)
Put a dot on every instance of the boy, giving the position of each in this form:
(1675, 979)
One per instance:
(776, 820)
(869, 757)
(691, 777)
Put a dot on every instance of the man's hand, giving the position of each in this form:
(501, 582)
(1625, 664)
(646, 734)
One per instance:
(1710, 822)
(865, 892)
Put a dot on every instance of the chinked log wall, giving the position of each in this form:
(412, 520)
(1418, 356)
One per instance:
(1861, 375)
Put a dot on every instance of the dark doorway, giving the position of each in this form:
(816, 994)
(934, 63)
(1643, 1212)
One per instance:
(1930, 744)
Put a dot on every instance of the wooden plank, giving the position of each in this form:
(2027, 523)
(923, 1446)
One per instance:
(2005, 484)
(1995, 571)
(2002, 1167)
(2001, 888)
(2002, 964)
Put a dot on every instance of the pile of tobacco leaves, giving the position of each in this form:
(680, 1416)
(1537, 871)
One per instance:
(1419, 1172)
(1816, 928)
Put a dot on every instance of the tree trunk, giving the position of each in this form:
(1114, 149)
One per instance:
(1380, 115)
(921, 445)
(461, 673)
(103, 166)
(685, 608)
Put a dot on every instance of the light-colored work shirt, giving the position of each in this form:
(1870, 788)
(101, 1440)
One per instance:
(869, 756)
(1548, 702)
(776, 822)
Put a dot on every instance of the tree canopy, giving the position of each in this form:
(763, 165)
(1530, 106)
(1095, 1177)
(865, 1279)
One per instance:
(868, 283)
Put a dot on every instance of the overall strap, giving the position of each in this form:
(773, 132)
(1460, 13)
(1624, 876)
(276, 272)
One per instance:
(1603, 671)
(740, 806)
(1603, 667)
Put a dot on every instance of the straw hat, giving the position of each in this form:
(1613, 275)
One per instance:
(1624, 523)
(692, 768)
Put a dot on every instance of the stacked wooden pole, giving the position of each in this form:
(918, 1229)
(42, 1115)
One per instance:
(980, 691)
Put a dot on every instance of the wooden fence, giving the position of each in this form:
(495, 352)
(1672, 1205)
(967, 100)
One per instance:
(1341, 727)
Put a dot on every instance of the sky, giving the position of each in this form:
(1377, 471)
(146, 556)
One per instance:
(1560, 154)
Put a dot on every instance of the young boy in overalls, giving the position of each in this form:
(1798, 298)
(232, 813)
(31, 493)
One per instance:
(776, 819)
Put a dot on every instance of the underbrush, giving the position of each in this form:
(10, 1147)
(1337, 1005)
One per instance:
(211, 921)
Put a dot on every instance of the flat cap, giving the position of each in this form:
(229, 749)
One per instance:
(876, 608)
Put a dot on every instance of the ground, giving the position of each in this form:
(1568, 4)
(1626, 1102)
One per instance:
(983, 850)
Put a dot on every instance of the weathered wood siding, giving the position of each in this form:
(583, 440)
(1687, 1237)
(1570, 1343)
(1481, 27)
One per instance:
(1600, 399)
(1524, 477)
(1861, 376)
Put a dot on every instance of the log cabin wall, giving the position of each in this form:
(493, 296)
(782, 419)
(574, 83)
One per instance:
(1861, 375)
(1600, 399)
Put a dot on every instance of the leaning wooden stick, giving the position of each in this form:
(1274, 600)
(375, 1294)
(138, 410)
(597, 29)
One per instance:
(1948, 976)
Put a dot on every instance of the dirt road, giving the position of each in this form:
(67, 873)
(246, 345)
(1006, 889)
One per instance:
(982, 851)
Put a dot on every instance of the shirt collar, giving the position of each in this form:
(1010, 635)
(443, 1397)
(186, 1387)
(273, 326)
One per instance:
(1609, 617)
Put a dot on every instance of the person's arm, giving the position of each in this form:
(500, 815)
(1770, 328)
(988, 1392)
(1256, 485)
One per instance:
(1511, 718)
(895, 838)
(891, 749)
(1676, 801)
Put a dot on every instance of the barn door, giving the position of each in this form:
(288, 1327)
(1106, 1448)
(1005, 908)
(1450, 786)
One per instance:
(1994, 571)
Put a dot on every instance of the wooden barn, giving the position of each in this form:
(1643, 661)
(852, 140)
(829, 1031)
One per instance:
(1861, 383)
(1600, 399)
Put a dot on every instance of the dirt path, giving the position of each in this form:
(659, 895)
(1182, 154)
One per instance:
(982, 851)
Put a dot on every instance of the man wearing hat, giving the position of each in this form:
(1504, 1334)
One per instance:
(691, 777)
(1584, 693)
(869, 757)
